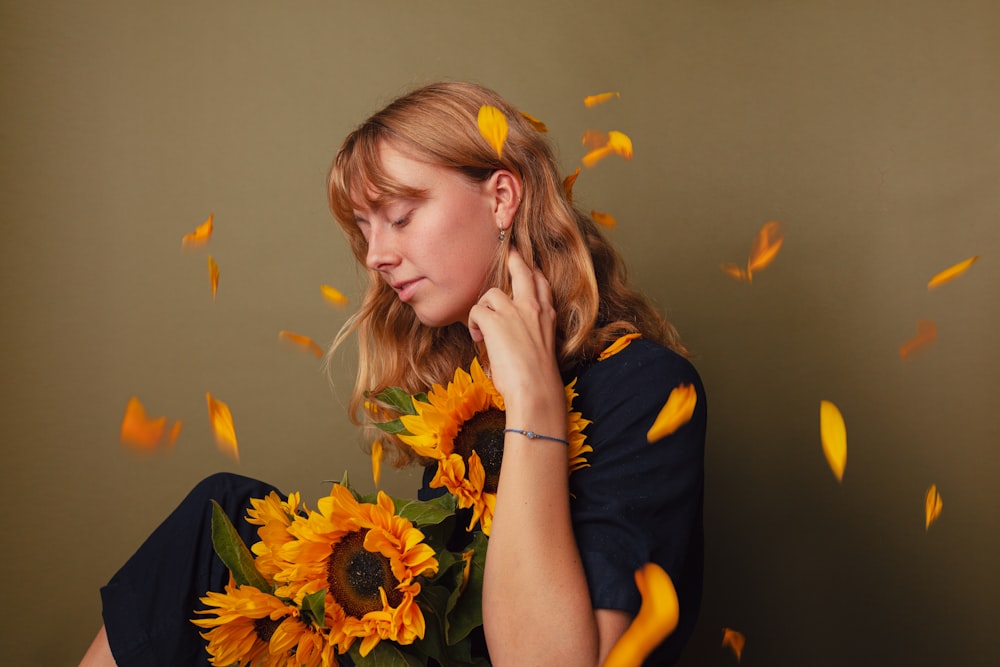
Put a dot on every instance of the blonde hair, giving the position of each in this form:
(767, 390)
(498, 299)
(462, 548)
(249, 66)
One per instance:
(438, 124)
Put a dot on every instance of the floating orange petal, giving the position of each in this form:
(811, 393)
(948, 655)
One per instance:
(833, 433)
(201, 234)
(951, 272)
(734, 641)
(735, 271)
(333, 296)
(593, 100)
(595, 139)
(493, 127)
(605, 219)
(595, 156)
(657, 618)
(676, 412)
(376, 461)
(765, 248)
(568, 184)
(302, 342)
(926, 334)
(222, 426)
(213, 275)
(145, 434)
(602, 145)
(535, 123)
(620, 344)
(620, 143)
(932, 506)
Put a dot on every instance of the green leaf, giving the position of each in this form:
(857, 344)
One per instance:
(393, 427)
(314, 606)
(386, 654)
(397, 399)
(465, 608)
(234, 553)
(426, 512)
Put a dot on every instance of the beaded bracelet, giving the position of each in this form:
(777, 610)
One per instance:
(531, 435)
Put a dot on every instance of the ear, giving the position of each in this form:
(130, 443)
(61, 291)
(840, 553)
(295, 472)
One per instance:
(504, 188)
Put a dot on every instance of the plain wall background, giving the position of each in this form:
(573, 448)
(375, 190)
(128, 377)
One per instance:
(869, 129)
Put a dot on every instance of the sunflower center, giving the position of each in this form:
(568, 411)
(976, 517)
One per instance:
(483, 434)
(355, 575)
(264, 628)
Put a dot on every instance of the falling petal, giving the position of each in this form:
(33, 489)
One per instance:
(765, 247)
(301, 342)
(676, 412)
(596, 155)
(333, 296)
(620, 143)
(213, 275)
(222, 426)
(595, 139)
(376, 461)
(833, 433)
(594, 100)
(145, 434)
(734, 641)
(568, 184)
(535, 123)
(201, 234)
(467, 569)
(926, 334)
(620, 344)
(493, 127)
(605, 219)
(735, 271)
(951, 272)
(657, 618)
(932, 505)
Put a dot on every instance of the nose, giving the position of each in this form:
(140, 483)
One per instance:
(382, 252)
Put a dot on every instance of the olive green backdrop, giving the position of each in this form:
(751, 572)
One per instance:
(869, 129)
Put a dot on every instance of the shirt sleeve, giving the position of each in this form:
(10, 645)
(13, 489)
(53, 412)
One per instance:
(640, 502)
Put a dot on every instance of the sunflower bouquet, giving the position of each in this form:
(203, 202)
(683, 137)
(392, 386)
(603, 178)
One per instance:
(363, 580)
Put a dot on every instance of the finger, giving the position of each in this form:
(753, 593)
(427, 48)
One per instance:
(522, 281)
(543, 289)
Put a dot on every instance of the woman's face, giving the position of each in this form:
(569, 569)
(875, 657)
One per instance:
(433, 251)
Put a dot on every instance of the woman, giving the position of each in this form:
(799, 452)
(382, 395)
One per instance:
(471, 252)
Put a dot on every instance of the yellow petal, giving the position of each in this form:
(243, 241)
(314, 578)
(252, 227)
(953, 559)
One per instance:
(676, 412)
(568, 184)
(620, 143)
(951, 272)
(333, 296)
(594, 100)
(301, 342)
(535, 123)
(932, 505)
(620, 344)
(735, 271)
(765, 246)
(213, 275)
(221, 420)
(926, 334)
(833, 433)
(657, 618)
(142, 433)
(734, 641)
(376, 460)
(200, 236)
(493, 127)
(595, 139)
(605, 219)
(596, 155)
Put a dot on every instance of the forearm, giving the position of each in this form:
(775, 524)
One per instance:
(536, 605)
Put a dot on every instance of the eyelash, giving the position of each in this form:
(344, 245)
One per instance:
(402, 221)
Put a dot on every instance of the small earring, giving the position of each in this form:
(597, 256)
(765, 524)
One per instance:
(501, 235)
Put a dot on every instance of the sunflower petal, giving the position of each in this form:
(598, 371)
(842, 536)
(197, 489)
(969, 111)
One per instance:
(734, 641)
(535, 123)
(765, 247)
(620, 344)
(605, 219)
(620, 143)
(926, 334)
(142, 433)
(333, 296)
(676, 412)
(376, 461)
(657, 618)
(951, 272)
(222, 426)
(833, 433)
(568, 184)
(593, 100)
(200, 236)
(735, 271)
(493, 127)
(932, 506)
(213, 275)
(302, 342)
(595, 139)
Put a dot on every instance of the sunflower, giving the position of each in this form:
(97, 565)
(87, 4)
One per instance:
(274, 516)
(366, 558)
(244, 621)
(462, 427)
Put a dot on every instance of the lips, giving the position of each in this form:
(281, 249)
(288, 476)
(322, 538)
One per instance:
(405, 289)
